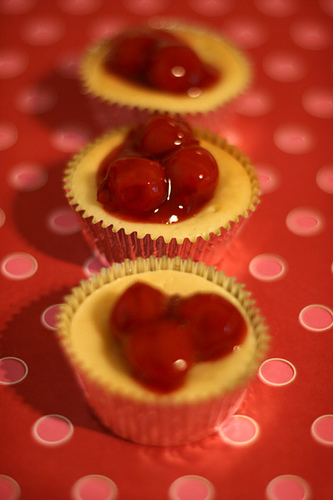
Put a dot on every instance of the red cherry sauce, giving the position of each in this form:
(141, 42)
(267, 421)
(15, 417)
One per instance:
(161, 336)
(159, 174)
(158, 59)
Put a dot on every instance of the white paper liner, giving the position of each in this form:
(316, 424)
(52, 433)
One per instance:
(161, 421)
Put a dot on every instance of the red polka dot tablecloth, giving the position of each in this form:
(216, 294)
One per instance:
(279, 444)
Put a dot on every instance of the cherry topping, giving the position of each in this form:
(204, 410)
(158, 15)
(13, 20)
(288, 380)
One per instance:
(217, 326)
(160, 353)
(139, 304)
(193, 174)
(133, 184)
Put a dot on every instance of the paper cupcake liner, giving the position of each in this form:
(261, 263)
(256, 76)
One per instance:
(161, 421)
(120, 100)
(114, 244)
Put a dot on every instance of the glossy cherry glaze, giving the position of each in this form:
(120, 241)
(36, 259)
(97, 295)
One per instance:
(162, 336)
(160, 60)
(158, 174)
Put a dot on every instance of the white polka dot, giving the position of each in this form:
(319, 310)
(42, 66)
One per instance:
(9, 488)
(324, 178)
(245, 33)
(311, 34)
(49, 317)
(36, 100)
(232, 134)
(268, 177)
(13, 62)
(43, 31)
(305, 221)
(277, 8)
(19, 266)
(8, 135)
(12, 371)
(316, 318)
(63, 221)
(92, 265)
(277, 372)
(254, 102)
(267, 267)
(94, 487)
(80, 7)
(191, 487)
(239, 430)
(294, 139)
(322, 430)
(211, 7)
(27, 176)
(70, 137)
(318, 102)
(288, 487)
(2, 217)
(52, 430)
(17, 6)
(146, 7)
(284, 66)
(68, 64)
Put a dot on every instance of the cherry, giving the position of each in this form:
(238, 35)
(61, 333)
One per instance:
(217, 326)
(162, 134)
(193, 174)
(160, 353)
(140, 303)
(174, 68)
(133, 185)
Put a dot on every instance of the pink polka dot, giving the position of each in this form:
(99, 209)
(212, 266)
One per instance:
(268, 177)
(12, 63)
(80, 7)
(191, 488)
(68, 64)
(319, 102)
(63, 221)
(49, 317)
(12, 371)
(239, 430)
(52, 430)
(103, 28)
(8, 135)
(19, 266)
(324, 178)
(43, 31)
(95, 487)
(231, 134)
(92, 266)
(35, 100)
(27, 176)
(254, 103)
(277, 372)
(322, 430)
(146, 7)
(70, 138)
(294, 139)
(327, 6)
(9, 489)
(277, 8)
(316, 318)
(284, 66)
(17, 6)
(2, 217)
(211, 7)
(305, 221)
(288, 487)
(267, 267)
(245, 33)
(311, 34)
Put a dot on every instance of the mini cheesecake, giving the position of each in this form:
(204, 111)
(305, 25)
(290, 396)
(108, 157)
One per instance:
(232, 70)
(210, 390)
(203, 235)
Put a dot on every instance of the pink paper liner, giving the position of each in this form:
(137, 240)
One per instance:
(116, 246)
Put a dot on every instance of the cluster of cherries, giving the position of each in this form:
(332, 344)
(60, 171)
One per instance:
(162, 336)
(160, 173)
(160, 60)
